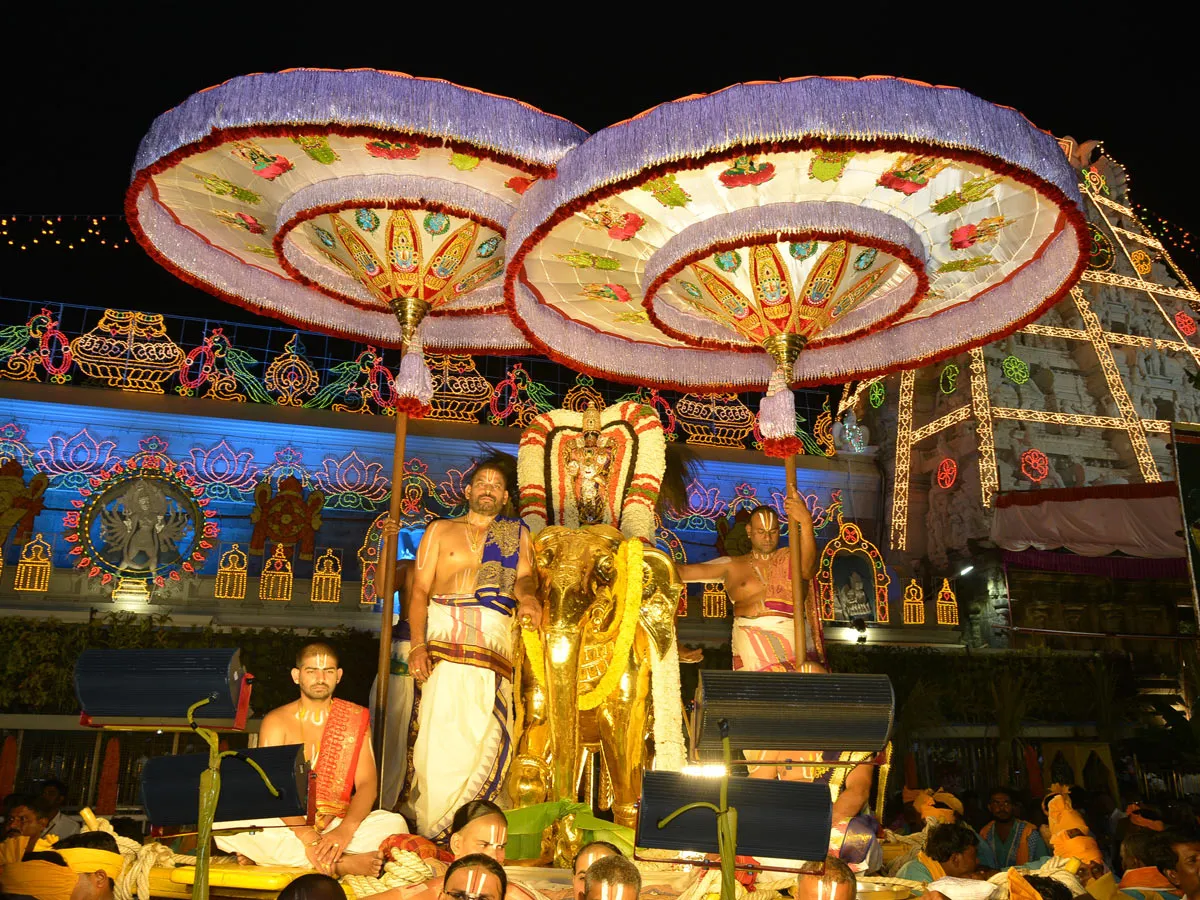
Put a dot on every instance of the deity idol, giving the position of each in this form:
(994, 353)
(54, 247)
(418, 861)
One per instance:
(141, 526)
(588, 463)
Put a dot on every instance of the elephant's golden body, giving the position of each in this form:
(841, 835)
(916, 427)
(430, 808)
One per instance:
(581, 624)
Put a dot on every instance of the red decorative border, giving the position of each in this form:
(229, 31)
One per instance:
(1067, 207)
(901, 253)
(314, 212)
(145, 177)
(1152, 490)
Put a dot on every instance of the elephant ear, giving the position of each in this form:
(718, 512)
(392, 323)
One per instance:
(660, 599)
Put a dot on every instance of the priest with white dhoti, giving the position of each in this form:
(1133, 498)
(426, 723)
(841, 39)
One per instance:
(473, 575)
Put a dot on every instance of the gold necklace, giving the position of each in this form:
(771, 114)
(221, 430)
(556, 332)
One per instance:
(476, 545)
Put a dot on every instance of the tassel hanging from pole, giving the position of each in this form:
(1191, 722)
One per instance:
(777, 410)
(414, 382)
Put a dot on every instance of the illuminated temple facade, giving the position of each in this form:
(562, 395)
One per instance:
(1083, 398)
(271, 456)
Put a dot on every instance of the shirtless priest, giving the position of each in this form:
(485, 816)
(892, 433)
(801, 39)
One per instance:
(337, 744)
(474, 577)
(766, 628)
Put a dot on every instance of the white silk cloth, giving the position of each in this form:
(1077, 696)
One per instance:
(1143, 526)
(401, 690)
(277, 845)
(465, 721)
(768, 643)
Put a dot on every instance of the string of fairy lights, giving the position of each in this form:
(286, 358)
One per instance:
(1172, 236)
(37, 233)
(75, 231)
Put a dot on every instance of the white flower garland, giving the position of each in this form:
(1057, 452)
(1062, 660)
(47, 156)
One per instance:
(637, 506)
(670, 754)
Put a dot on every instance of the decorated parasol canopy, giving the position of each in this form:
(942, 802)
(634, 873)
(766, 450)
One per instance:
(366, 204)
(814, 230)
(336, 200)
(807, 231)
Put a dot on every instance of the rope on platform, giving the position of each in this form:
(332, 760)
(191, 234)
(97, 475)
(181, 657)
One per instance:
(134, 883)
(405, 868)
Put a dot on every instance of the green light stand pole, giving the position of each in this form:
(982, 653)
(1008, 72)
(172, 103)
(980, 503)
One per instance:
(210, 790)
(726, 821)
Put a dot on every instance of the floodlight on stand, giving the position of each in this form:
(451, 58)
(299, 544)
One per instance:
(860, 625)
(778, 819)
(791, 711)
(138, 690)
(170, 785)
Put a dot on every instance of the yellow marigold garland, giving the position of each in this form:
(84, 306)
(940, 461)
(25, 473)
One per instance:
(629, 582)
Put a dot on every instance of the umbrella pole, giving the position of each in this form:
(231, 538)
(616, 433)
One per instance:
(799, 609)
(387, 582)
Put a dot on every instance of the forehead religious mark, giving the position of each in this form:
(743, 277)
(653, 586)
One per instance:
(765, 516)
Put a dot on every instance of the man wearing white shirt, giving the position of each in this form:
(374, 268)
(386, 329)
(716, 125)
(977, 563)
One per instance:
(54, 792)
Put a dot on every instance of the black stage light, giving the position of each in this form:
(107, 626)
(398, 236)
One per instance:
(155, 688)
(791, 711)
(782, 819)
(171, 786)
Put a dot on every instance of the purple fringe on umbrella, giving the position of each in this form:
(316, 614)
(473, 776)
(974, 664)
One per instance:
(382, 188)
(879, 108)
(363, 97)
(908, 343)
(326, 275)
(276, 295)
(639, 363)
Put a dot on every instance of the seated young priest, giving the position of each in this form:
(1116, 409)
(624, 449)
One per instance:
(346, 836)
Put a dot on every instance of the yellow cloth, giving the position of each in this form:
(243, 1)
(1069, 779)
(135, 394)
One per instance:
(1063, 820)
(85, 861)
(947, 799)
(13, 848)
(935, 868)
(1019, 888)
(923, 802)
(1104, 888)
(1083, 848)
(38, 878)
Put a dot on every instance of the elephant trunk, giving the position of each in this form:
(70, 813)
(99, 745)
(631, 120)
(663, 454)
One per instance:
(562, 696)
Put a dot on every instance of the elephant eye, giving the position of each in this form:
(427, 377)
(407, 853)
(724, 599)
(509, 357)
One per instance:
(545, 559)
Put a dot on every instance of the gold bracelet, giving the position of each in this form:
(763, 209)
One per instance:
(417, 646)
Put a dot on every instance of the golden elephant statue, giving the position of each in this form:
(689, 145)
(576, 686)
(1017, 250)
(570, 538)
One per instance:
(608, 684)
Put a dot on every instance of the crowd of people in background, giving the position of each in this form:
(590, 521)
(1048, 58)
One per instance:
(1143, 851)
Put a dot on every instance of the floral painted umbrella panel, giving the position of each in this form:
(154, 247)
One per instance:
(320, 196)
(899, 221)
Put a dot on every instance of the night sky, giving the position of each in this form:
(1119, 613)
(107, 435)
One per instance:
(80, 90)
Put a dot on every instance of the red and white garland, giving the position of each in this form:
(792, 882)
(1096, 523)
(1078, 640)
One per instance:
(639, 460)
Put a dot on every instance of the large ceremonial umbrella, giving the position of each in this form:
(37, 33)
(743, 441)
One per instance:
(807, 231)
(353, 203)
